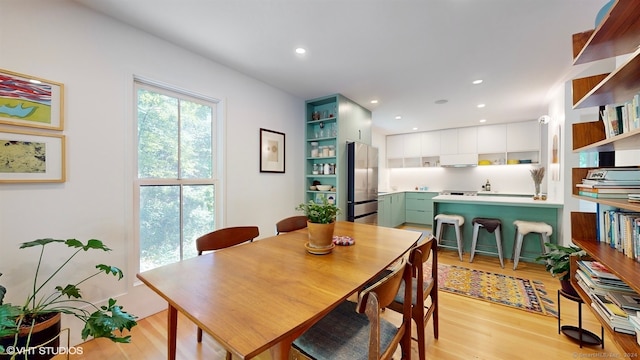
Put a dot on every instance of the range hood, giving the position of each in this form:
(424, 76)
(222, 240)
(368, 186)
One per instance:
(459, 160)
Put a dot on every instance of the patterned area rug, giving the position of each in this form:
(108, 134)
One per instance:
(506, 290)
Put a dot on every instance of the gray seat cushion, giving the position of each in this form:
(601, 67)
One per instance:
(342, 334)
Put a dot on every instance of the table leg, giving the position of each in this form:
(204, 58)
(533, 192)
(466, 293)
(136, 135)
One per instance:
(173, 330)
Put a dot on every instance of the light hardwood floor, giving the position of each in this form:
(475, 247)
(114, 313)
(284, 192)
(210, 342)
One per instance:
(469, 328)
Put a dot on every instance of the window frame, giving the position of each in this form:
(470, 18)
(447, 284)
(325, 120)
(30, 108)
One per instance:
(217, 158)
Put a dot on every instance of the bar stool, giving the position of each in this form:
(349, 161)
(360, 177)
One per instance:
(454, 220)
(525, 227)
(492, 226)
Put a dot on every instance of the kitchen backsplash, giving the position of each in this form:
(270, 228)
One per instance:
(503, 178)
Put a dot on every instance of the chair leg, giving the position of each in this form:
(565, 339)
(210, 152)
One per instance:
(438, 232)
(229, 356)
(498, 234)
(199, 335)
(516, 254)
(474, 241)
(459, 240)
(418, 317)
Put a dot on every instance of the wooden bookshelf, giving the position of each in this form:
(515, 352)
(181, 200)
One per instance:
(617, 87)
(587, 133)
(617, 34)
(626, 343)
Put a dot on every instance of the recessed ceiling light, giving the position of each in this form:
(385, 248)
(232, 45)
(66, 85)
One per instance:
(442, 101)
(398, 117)
(476, 82)
(300, 51)
(483, 120)
(415, 128)
(374, 101)
(481, 105)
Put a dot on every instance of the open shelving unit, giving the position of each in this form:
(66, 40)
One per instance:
(618, 34)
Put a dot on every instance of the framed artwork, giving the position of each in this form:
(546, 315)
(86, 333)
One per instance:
(271, 151)
(31, 157)
(30, 101)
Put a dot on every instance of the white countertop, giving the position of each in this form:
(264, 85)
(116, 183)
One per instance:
(493, 200)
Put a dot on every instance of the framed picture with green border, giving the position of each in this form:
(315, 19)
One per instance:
(30, 101)
(31, 157)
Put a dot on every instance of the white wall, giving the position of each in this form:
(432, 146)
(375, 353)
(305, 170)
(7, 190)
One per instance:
(96, 58)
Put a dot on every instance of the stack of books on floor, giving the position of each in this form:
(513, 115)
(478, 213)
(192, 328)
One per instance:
(612, 299)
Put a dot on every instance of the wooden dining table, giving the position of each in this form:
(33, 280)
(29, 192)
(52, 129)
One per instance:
(260, 296)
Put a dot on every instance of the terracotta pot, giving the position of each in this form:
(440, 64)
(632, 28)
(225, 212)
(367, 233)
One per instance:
(320, 235)
(44, 333)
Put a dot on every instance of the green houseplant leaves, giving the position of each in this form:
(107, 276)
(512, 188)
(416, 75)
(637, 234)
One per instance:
(99, 321)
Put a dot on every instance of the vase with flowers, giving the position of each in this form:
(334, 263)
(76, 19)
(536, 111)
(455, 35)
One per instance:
(537, 175)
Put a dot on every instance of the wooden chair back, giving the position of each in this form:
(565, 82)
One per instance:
(377, 297)
(223, 238)
(226, 237)
(422, 290)
(291, 223)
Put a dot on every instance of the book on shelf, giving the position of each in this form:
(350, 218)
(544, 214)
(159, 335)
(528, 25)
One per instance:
(603, 195)
(628, 301)
(621, 230)
(596, 269)
(616, 318)
(608, 190)
(609, 184)
(621, 118)
(596, 286)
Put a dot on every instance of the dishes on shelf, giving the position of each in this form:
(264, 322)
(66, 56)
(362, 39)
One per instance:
(323, 187)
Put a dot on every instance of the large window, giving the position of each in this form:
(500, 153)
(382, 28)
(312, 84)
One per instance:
(176, 180)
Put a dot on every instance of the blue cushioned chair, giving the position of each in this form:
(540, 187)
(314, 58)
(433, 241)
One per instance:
(357, 331)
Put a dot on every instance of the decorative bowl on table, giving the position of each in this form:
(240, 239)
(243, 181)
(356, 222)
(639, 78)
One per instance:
(323, 187)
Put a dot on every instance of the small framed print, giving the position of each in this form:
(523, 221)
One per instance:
(31, 157)
(30, 101)
(271, 151)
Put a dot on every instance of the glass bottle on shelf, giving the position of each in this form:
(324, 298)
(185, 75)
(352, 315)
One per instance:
(315, 170)
(314, 149)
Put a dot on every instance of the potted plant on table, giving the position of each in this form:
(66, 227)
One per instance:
(321, 218)
(20, 325)
(557, 262)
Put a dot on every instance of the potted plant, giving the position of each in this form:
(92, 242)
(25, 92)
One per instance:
(321, 219)
(19, 324)
(557, 262)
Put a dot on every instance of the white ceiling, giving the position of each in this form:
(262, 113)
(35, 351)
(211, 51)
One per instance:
(405, 53)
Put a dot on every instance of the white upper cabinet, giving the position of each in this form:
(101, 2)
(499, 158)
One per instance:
(468, 140)
(430, 143)
(395, 146)
(448, 141)
(523, 136)
(492, 139)
(412, 145)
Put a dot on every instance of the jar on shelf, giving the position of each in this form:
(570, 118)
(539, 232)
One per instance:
(332, 150)
(315, 170)
(327, 169)
(314, 149)
(325, 151)
(332, 168)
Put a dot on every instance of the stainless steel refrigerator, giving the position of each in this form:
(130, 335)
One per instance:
(362, 182)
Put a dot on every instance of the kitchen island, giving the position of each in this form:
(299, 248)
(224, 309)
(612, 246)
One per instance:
(507, 209)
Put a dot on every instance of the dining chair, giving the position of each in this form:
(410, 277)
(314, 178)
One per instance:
(418, 256)
(357, 331)
(223, 238)
(291, 223)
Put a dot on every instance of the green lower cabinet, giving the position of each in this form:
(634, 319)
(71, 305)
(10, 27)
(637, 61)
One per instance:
(384, 211)
(419, 207)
